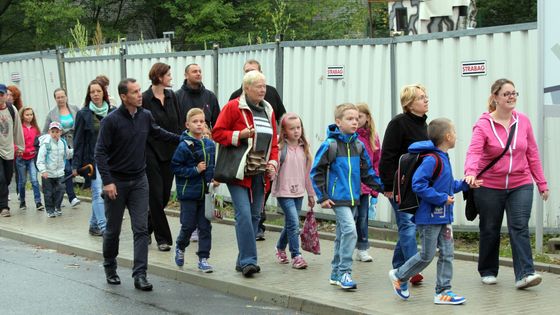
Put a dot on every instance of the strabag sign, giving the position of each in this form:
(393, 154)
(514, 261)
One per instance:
(335, 72)
(473, 68)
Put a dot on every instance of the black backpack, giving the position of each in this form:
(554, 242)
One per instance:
(405, 198)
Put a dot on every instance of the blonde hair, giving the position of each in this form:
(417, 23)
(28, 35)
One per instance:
(33, 122)
(496, 87)
(193, 112)
(408, 95)
(370, 124)
(251, 77)
(340, 109)
(438, 129)
(282, 135)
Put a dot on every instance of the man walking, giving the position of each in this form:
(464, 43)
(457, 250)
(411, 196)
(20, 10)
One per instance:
(10, 133)
(120, 156)
(193, 94)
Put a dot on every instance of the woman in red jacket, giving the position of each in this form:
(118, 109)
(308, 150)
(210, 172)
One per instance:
(249, 116)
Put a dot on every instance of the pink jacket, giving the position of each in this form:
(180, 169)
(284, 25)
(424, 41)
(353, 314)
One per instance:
(519, 166)
(293, 177)
(29, 134)
(374, 156)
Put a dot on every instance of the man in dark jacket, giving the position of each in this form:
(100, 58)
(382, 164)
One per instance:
(194, 94)
(120, 155)
(273, 98)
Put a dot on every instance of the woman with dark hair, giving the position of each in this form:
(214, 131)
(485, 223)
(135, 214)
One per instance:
(65, 114)
(87, 124)
(162, 103)
(507, 186)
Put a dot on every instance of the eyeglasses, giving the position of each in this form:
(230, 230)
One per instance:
(508, 94)
(423, 98)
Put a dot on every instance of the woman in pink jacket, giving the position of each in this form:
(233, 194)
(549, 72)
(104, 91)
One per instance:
(506, 185)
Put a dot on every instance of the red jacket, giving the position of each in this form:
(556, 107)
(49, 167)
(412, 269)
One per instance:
(229, 125)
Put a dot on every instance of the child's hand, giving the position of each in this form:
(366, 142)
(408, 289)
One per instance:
(450, 200)
(476, 184)
(327, 204)
(45, 175)
(310, 201)
(201, 167)
(270, 171)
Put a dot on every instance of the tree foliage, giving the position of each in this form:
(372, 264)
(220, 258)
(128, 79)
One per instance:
(503, 12)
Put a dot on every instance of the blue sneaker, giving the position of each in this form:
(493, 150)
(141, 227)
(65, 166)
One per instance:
(346, 281)
(400, 287)
(204, 266)
(448, 297)
(333, 280)
(179, 257)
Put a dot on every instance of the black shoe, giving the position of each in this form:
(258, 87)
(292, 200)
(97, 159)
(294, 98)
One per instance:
(249, 270)
(260, 236)
(39, 206)
(238, 268)
(112, 276)
(95, 231)
(141, 283)
(164, 247)
(22, 205)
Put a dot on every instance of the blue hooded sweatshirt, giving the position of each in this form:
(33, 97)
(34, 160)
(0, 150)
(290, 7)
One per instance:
(432, 209)
(192, 185)
(339, 180)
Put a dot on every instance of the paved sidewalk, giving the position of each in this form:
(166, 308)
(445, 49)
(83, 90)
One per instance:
(305, 290)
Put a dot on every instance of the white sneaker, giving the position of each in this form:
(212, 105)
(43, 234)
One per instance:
(529, 281)
(75, 202)
(362, 255)
(489, 280)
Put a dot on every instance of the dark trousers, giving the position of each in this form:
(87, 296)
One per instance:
(192, 217)
(132, 194)
(517, 204)
(53, 191)
(160, 178)
(262, 228)
(69, 183)
(6, 172)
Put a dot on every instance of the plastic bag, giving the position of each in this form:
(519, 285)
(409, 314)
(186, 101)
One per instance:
(372, 211)
(210, 211)
(309, 234)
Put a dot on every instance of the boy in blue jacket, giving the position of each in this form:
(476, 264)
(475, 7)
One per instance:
(434, 215)
(193, 166)
(336, 178)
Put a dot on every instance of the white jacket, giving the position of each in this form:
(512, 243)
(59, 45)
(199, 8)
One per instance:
(52, 156)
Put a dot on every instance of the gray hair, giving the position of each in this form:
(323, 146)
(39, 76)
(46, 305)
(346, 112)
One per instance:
(251, 77)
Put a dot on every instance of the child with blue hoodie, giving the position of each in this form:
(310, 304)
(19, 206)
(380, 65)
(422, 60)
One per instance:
(193, 166)
(434, 215)
(340, 164)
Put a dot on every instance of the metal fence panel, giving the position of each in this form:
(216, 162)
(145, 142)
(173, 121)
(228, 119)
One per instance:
(230, 65)
(38, 77)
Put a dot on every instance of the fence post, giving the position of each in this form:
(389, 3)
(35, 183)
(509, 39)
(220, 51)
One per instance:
(122, 58)
(61, 68)
(279, 65)
(215, 53)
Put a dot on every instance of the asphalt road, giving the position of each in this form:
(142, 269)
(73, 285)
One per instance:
(42, 281)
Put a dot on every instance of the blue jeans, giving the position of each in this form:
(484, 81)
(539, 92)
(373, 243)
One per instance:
(69, 183)
(248, 204)
(406, 245)
(192, 218)
(345, 240)
(432, 237)
(97, 220)
(290, 232)
(361, 218)
(23, 166)
(517, 203)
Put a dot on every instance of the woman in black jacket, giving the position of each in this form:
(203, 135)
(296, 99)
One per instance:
(87, 124)
(162, 103)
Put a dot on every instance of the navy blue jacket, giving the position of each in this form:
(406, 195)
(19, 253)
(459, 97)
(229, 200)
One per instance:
(432, 209)
(339, 180)
(192, 185)
(121, 145)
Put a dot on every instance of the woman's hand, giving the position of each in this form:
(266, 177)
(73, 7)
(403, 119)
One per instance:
(246, 133)
(388, 194)
(470, 180)
(270, 171)
(545, 194)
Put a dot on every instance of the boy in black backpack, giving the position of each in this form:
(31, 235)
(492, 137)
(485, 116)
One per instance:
(435, 213)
